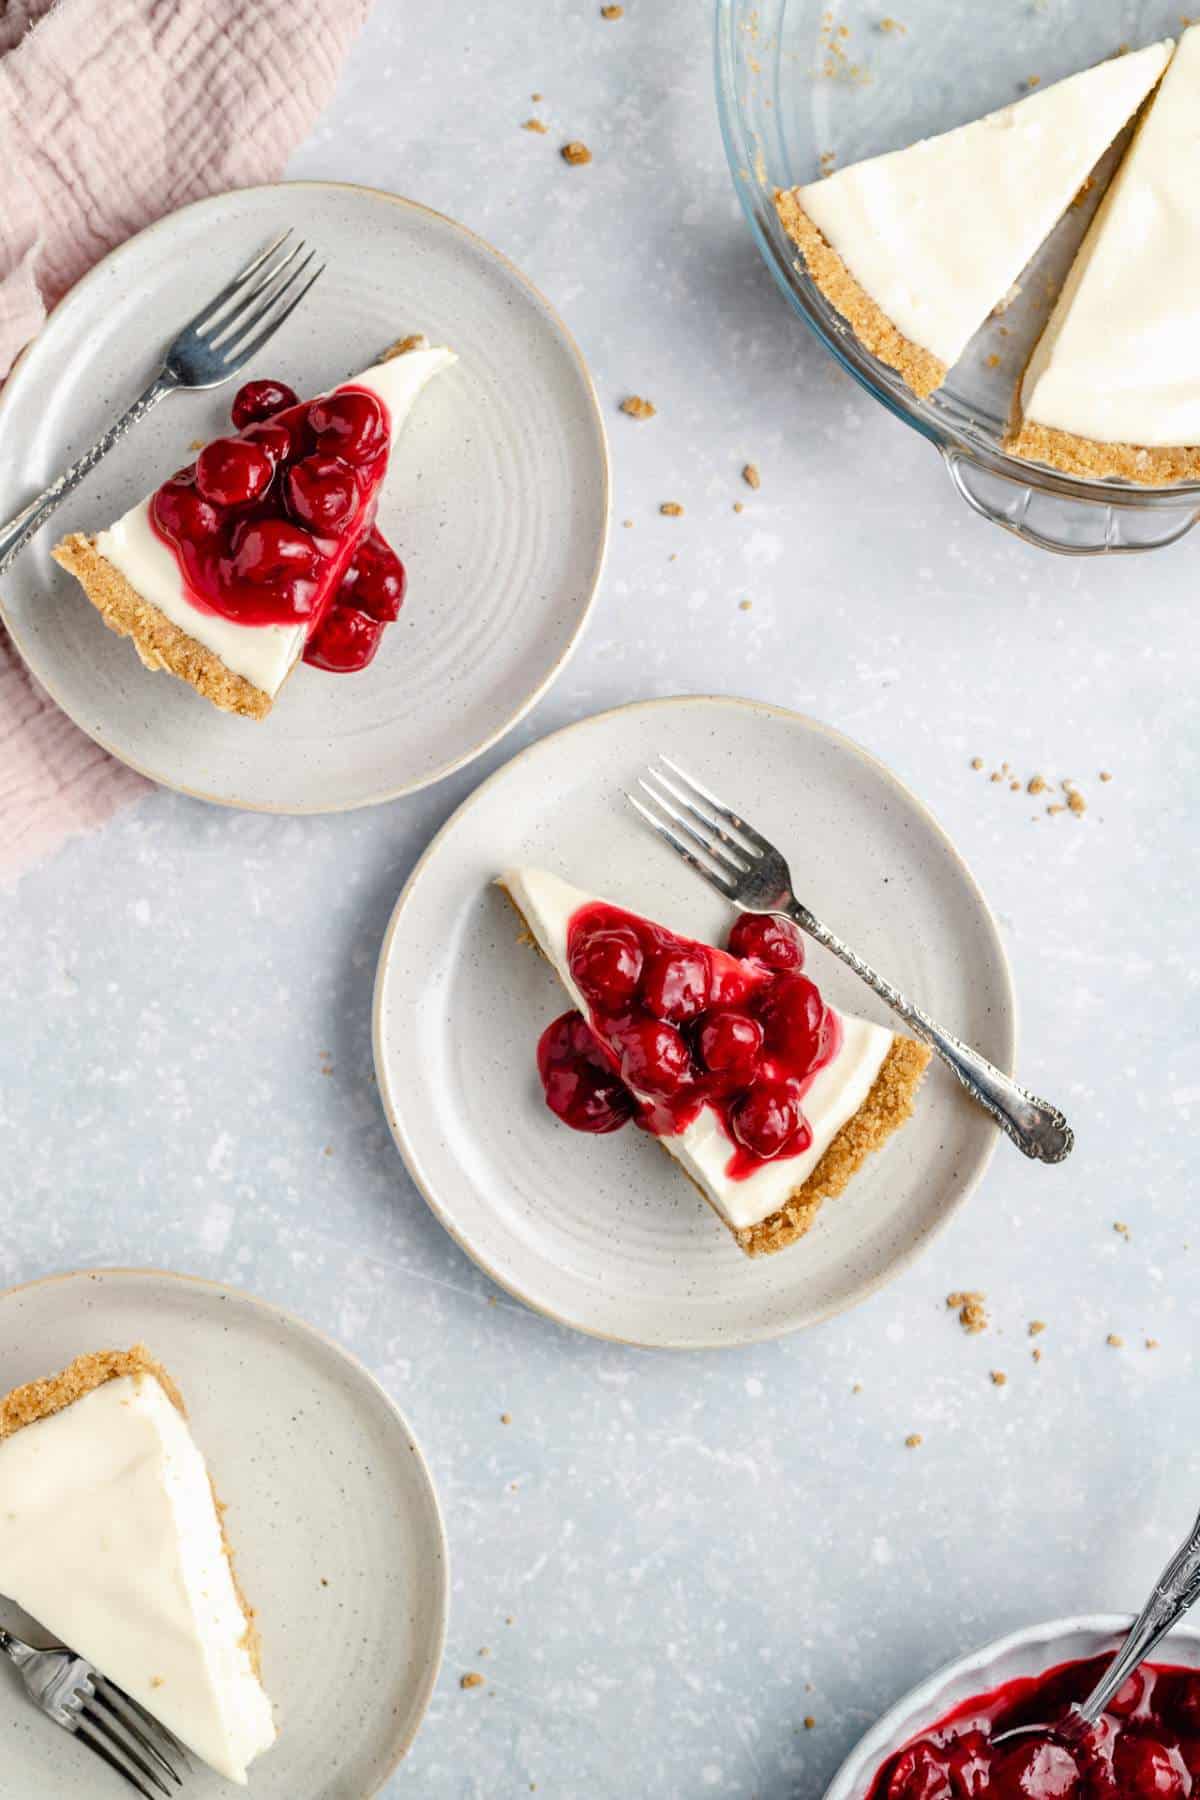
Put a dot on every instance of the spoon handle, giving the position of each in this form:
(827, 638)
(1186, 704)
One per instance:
(1173, 1594)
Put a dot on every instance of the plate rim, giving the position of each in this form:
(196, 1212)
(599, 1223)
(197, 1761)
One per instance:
(382, 796)
(739, 1338)
(429, 1679)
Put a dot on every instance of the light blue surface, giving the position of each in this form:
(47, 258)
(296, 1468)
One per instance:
(696, 1552)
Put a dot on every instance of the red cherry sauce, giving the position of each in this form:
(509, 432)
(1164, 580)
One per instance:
(274, 525)
(674, 1026)
(1145, 1747)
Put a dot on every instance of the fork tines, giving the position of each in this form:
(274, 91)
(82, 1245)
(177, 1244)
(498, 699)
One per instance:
(710, 837)
(129, 1739)
(237, 322)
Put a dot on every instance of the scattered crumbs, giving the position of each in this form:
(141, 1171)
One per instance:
(913, 1439)
(1115, 1341)
(472, 1679)
(506, 1418)
(575, 153)
(612, 12)
(1055, 809)
(1122, 1230)
(198, 444)
(828, 159)
(977, 762)
(968, 1304)
(674, 556)
(995, 775)
(1014, 785)
(739, 506)
(1036, 1354)
(324, 1581)
(536, 97)
(1037, 784)
(999, 1378)
(1036, 1327)
(751, 476)
(535, 125)
(1075, 799)
(157, 1681)
(485, 1651)
(1152, 1343)
(993, 361)
(745, 605)
(1033, 81)
(1106, 774)
(492, 1301)
(672, 509)
(857, 1388)
(637, 408)
(628, 524)
(894, 26)
(329, 1149)
(509, 1619)
(809, 1721)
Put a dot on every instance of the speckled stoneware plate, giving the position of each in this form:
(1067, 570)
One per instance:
(497, 498)
(1030, 1651)
(332, 1515)
(604, 1233)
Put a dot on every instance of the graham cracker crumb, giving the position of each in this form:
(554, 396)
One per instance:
(1106, 774)
(536, 97)
(968, 1304)
(1115, 1341)
(913, 1439)
(1014, 785)
(828, 160)
(637, 408)
(1033, 81)
(506, 1418)
(157, 1681)
(197, 444)
(1037, 1355)
(1147, 465)
(1075, 800)
(535, 125)
(751, 476)
(672, 509)
(993, 361)
(745, 605)
(1036, 1326)
(809, 1722)
(612, 12)
(739, 506)
(1122, 1229)
(472, 1679)
(575, 153)
(1152, 1343)
(1037, 784)
(628, 524)
(999, 1378)
(856, 1388)
(977, 762)
(893, 25)
(995, 775)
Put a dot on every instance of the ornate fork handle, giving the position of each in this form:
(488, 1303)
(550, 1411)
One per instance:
(1036, 1128)
(1175, 1592)
(17, 531)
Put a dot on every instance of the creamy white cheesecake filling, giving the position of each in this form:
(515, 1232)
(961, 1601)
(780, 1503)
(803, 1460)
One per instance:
(263, 654)
(110, 1539)
(704, 1147)
(938, 233)
(1119, 360)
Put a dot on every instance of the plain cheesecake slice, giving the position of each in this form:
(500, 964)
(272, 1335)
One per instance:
(264, 550)
(916, 248)
(111, 1537)
(1113, 385)
(766, 1097)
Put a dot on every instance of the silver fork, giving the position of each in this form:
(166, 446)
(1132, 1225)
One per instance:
(227, 331)
(751, 873)
(122, 1733)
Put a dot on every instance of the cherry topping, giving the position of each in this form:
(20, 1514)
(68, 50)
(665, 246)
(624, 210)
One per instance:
(1034, 1768)
(769, 940)
(769, 1117)
(1147, 1770)
(180, 510)
(344, 641)
(921, 1773)
(349, 423)
(654, 1058)
(259, 399)
(265, 550)
(580, 1086)
(675, 985)
(606, 966)
(233, 472)
(321, 492)
(273, 436)
(378, 578)
(793, 1013)
(729, 1043)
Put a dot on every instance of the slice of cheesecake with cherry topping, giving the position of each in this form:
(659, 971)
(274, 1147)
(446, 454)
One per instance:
(264, 551)
(767, 1097)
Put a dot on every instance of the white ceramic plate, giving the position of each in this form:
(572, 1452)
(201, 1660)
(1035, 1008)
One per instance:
(1030, 1651)
(497, 497)
(604, 1233)
(322, 1478)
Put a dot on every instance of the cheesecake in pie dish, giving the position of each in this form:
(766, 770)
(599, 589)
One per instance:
(1113, 385)
(112, 1539)
(264, 551)
(917, 247)
(768, 1099)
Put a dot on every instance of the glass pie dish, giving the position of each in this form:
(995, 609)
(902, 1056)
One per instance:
(806, 85)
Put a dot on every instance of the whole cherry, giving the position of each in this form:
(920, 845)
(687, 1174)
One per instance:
(183, 513)
(729, 1042)
(265, 549)
(349, 423)
(259, 400)
(675, 985)
(579, 1085)
(654, 1058)
(321, 492)
(769, 1118)
(379, 579)
(606, 965)
(233, 471)
(345, 641)
(768, 940)
(793, 1014)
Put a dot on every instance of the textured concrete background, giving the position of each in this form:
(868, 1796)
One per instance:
(696, 1551)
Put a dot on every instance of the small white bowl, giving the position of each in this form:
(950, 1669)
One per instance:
(1030, 1651)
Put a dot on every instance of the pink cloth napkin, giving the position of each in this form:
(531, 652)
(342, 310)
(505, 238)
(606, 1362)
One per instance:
(113, 112)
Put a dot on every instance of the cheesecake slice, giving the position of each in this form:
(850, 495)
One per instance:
(112, 1539)
(767, 1098)
(264, 550)
(917, 247)
(1113, 385)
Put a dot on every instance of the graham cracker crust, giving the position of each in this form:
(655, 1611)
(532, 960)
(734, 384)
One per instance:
(888, 1105)
(1150, 465)
(159, 642)
(54, 1393)
(920, 369)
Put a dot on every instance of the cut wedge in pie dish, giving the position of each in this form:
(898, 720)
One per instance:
(112, 1538)
(264, 550)
(767, 1098)
(1113, 385)
(916, 248)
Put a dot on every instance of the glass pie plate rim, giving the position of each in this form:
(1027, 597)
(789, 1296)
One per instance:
(1069, 514)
